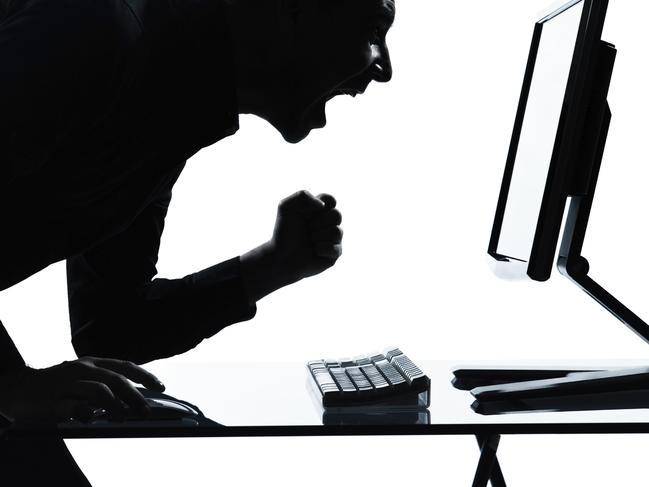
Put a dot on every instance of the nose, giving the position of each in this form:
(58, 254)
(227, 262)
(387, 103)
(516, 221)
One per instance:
(381, 67)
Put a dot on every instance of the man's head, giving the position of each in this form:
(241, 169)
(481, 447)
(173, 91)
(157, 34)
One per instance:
(293, 56)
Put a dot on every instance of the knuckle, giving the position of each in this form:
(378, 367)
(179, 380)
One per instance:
(78, 366)
(328, 199)
(109, 377)
(283, 203)
(298, 202)
(289, 201)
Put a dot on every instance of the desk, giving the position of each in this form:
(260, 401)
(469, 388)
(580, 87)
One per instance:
(275, 399)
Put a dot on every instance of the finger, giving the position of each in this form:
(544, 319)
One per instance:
(327, 250)
(328, 218)
(327, 234)
(95, 394)
(118, 384)
(131, 371)
(301, 202)
(328, 200)
(76, 409)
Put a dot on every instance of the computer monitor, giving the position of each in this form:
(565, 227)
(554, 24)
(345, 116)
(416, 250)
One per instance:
(555, 153)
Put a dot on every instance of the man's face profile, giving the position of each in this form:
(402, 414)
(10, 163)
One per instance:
(319, 49)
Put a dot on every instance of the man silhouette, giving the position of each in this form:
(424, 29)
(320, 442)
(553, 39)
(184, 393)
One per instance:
(102, 103)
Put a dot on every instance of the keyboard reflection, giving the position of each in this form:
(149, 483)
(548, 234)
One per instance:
(332, 417)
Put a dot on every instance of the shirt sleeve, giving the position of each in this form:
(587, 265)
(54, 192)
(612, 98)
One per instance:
(10, 358)
(118, 309)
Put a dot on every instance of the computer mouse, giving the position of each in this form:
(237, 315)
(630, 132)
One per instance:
(167, 409)
(162, 409)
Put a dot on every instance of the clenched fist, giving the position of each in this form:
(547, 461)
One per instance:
(306, 241)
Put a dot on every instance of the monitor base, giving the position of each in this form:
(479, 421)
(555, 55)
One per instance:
(582, 189)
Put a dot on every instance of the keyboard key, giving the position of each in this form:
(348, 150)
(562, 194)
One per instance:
(342, 379)
(358, 378)
(362, 360)
(391, 374)
(390, 353)
(375, 377)
(410, 371)
(376, 357)
(347, 362)
(322, 377)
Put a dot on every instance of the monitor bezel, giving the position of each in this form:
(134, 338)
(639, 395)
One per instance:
(566, 145)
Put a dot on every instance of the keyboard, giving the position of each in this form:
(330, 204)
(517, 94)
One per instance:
(385, 380)
(588, 390)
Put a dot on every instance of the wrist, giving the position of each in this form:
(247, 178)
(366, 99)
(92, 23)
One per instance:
(263, 271)
(259, 272)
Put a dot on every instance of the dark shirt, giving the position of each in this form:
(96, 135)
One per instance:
(101, 104)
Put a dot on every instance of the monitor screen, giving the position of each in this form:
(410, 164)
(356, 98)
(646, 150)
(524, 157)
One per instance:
(538, 132)
(533, 192)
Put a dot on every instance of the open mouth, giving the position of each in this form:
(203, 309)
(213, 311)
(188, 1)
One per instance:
(344, 91)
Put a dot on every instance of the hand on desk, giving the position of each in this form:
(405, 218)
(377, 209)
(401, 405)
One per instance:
(306, 241)
(74, 390)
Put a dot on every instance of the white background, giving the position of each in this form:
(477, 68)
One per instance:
(416, 166)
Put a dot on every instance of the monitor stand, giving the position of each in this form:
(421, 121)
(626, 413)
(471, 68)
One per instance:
(571, 263)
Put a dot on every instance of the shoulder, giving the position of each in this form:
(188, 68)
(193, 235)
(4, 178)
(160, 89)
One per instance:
(114, 18)
(86, 22)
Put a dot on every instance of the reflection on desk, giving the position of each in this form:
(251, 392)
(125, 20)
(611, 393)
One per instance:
(358, 416)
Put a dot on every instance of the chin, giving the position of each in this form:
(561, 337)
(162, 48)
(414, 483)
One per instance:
(294, 132)
(293, 135)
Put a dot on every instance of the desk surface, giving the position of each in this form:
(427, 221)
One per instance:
(276, 399)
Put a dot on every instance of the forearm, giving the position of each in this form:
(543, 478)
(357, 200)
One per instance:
(163, 318)
(10, 358)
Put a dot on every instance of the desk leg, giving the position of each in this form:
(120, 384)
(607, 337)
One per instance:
(488, 466)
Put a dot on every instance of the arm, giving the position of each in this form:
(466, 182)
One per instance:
(118, 309)
(10, 358)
